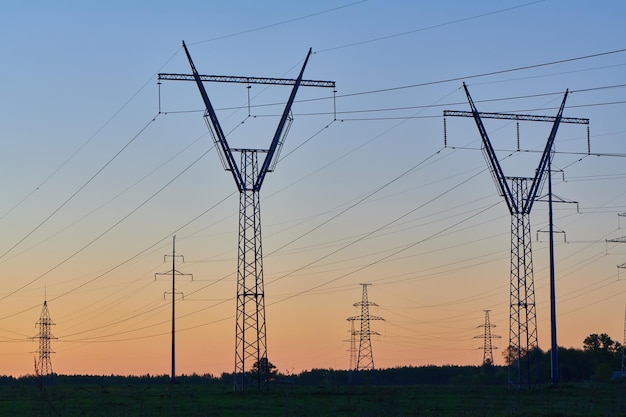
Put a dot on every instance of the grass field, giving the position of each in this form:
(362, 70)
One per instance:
(198, 400)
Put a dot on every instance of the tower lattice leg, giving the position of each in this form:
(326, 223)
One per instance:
(250, 344)
(523, 363)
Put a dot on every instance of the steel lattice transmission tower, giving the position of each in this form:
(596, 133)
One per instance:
(487, 337)
(365, 357)
(520, 194)
(249, 173)
(43, 365)
(352, 350)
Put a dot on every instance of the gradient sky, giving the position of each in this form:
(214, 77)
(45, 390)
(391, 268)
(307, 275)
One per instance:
(101, 167)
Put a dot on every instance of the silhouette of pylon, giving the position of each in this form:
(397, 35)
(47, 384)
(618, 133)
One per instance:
(365, 358)
(487, 340)
(43, 365)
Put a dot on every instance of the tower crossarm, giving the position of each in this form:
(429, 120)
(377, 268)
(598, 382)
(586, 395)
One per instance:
(246, 80)
(494, 165)
(281, 125)
(513, 116)
(492, 160)
(220, 138)
(545, 158)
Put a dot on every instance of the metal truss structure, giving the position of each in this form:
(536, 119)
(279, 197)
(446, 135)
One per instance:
(487, 340)
(520, 194)
(365, 357)
(43, 364)
(251, 363)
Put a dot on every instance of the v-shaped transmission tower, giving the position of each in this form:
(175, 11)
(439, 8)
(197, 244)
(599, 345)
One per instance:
(487, 340)
(249, 173)
(520, 194)
(43, 365)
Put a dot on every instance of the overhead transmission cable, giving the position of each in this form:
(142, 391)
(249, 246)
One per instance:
(102, 168)
(91, 242)
(271, 25)
(109, 201)
(486, 74)
(90, 138)
(436, 26)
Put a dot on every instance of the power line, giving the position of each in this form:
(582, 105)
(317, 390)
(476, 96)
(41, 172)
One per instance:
(91, 242)
(396, 35)
(102, 168)
(486, 74)
(277, 23)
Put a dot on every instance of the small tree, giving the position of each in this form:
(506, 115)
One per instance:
(265, 369)
(601, 343)
(605, 354)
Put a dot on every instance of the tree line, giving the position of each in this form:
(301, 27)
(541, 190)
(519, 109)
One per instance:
(599, 358)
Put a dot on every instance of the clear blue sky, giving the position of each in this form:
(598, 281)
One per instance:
(95, 181)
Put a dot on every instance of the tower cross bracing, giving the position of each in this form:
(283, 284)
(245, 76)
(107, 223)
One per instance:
(249, 173)
(364, 356)
(43, 364)
(520, 194)
(487, 338)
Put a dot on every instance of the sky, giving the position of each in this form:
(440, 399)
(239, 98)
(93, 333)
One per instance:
(102, 166)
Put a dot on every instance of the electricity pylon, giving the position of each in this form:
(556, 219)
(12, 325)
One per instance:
(173, 272)
(365, 357)
(43, 365)
(487, 340)
(352, 350)
(520, 193)
(251, 341)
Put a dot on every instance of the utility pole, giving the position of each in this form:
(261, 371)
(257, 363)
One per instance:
(173, 272)
(624, 345)
(250, 329)
(619, 240)
(520, 194)
(487, 340)
(43, 366)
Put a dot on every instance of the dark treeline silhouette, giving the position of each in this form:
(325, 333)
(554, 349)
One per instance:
(597, 361)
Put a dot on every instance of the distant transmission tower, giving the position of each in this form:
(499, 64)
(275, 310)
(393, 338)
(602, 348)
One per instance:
(487, 338)
(352, 350)
(43, 365)
(250, 343)
(365, 357)
(520, 194)
(173, 272)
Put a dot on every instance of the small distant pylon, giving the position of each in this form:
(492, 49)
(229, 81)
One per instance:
(487, 340)
(43, 365)
(365, 358)
(352, 350)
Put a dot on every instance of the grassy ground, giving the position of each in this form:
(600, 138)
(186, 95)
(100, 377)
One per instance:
(199, 400)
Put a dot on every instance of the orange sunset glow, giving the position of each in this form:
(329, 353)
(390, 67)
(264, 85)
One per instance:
(103, 164)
